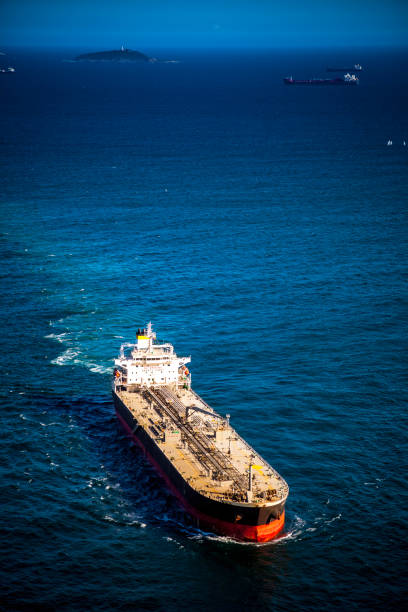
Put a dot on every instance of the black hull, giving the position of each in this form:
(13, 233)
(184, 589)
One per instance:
(335, 83)
(354, 69)
(233, 519)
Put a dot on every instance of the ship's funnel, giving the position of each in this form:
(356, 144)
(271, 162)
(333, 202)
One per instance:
(145, 336)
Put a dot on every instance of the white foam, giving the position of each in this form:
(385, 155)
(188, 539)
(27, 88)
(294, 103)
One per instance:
(168, 539)
(111, 519)
(73, 354)
(66, 357)
(95, 367)
(290, 535)
(335, 518)
(72, 357)
(227, 540)
(295, 531)
(59, 337)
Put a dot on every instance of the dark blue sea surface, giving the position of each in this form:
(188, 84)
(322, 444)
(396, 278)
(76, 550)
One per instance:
(263, 230)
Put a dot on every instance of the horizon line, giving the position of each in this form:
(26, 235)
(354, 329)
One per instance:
(248, 47)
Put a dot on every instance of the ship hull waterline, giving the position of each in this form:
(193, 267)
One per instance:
(321, 83)
(205, 520)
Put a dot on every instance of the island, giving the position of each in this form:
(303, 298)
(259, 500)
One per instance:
(120, 55)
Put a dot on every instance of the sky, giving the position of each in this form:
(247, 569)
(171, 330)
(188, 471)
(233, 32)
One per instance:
(151, 24)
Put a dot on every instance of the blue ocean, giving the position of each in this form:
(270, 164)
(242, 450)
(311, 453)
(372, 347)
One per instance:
(263, 230)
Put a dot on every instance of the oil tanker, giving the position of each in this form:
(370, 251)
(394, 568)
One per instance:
(356, 68)
(348, 79)
(218, 478)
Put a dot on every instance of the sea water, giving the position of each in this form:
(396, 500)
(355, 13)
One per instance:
(263, 230)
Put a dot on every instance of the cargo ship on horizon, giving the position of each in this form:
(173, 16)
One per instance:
(348, 79)
(218, 478)
(355, 68)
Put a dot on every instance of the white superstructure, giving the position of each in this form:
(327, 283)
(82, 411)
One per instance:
(147, 364)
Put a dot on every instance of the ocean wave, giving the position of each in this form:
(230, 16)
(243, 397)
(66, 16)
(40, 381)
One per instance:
(40, 423)
(58, 337)
(67, 356)
(211, 537)
(132, 523)
(72, 357)
(97, 482)
(295, 530)
(200, 535)
(97, 368)
(335, 518)
(299, 529)
(168, 539)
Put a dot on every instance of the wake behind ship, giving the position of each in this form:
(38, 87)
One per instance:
(218, 478)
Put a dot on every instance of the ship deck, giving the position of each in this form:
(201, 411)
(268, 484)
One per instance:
(209, 454)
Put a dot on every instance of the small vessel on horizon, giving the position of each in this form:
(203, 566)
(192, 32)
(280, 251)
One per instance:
(348, 79)
(218, 478)
(356, 68)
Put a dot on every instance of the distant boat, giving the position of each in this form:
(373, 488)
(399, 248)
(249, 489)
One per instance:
(348, 79)
(8, 70)
(356, 68)
(389, 143)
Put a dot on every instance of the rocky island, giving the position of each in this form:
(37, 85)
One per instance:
(121, 55)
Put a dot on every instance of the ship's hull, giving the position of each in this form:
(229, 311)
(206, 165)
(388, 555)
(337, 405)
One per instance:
(349, 69)
(244, 522)
(320, 82)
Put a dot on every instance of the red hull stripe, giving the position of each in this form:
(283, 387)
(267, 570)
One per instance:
(253, 533)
